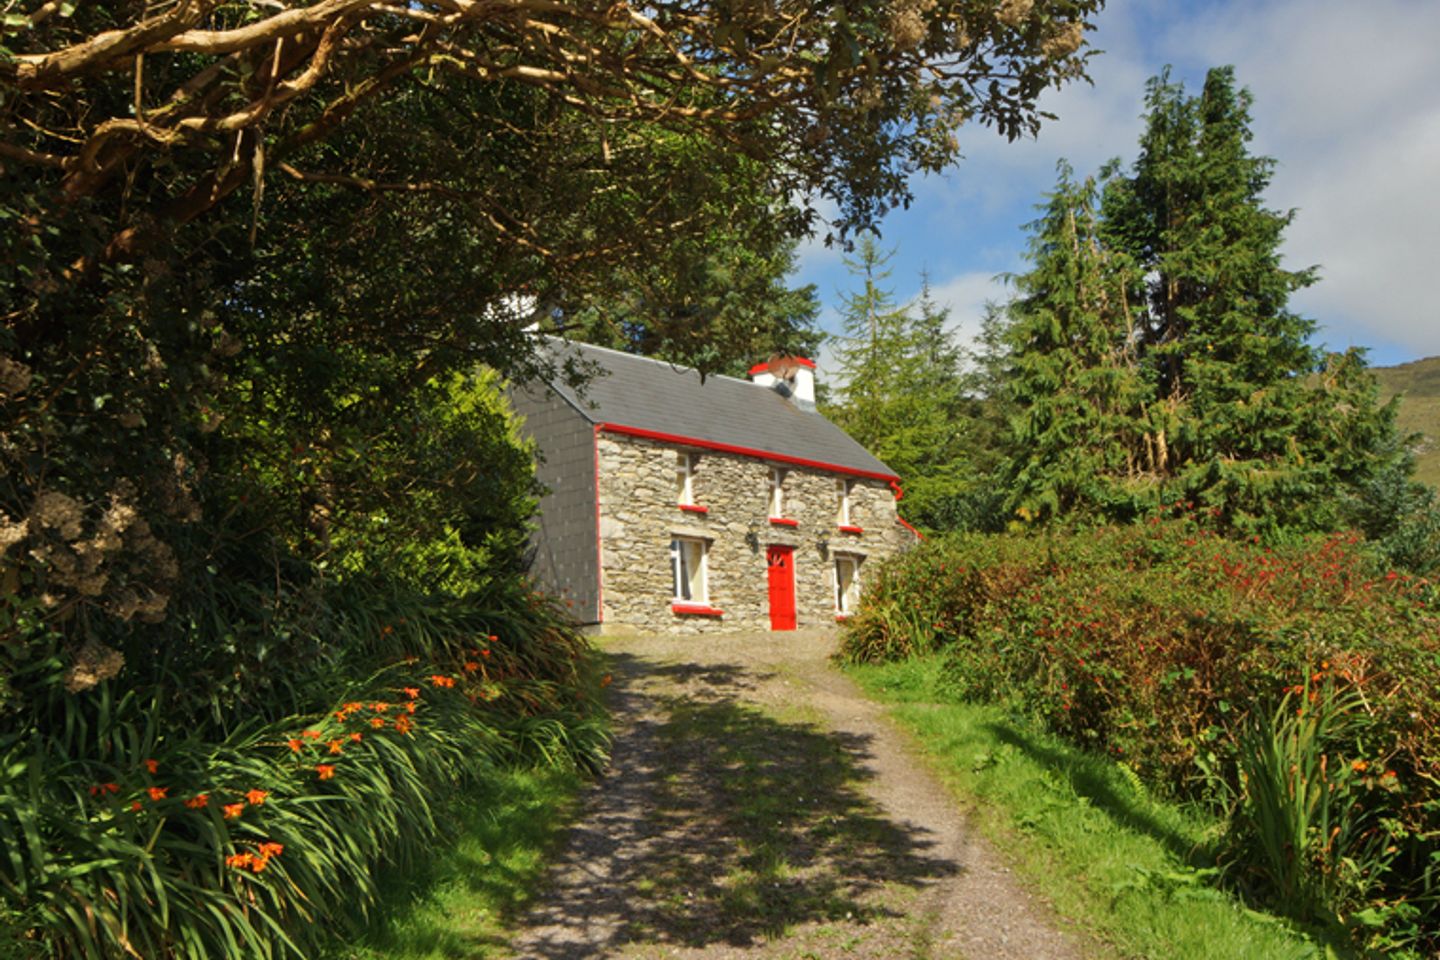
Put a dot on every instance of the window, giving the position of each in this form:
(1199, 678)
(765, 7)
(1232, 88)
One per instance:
(842, 503)
(684, 479)
(847, 584)
(687, 569)
(777, 493)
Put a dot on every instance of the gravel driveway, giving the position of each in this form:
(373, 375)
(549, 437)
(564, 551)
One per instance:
(759, 806)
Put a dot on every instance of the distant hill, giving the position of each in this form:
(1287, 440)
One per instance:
(1419, 409)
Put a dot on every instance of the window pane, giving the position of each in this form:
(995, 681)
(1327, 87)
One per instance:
(694, 563)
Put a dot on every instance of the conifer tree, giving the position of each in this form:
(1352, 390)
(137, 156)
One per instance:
(1236, 403)
(902, 388)
(1080, 444)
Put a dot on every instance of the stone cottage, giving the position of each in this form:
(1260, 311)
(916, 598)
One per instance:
(689, 506)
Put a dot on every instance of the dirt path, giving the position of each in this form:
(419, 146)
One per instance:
(758, 806)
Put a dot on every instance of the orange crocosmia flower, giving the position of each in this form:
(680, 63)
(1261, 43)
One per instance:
(153, 766)
(484, 653)
(295, 745)
(271, 849)
(492, 638)
(442, 681)
(111, 787)
(199, 801)
(355, 737)
(257, 797)
(157, 793)
(311, 734)
(409, 708)
(411, 692)
(336, 746)
(354, 707)
(136, 806)
(325, 771)
(233, 810)
(379, 706)
(377, 722)
(403, 725)
(341, 715)
(471, 666)
(239, 860)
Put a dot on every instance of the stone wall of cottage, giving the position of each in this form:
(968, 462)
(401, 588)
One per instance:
(639, 515)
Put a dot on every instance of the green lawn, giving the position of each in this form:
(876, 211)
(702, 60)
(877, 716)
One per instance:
(460, 905)
(1084, 832)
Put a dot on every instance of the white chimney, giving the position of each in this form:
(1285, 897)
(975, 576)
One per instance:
(791, 377)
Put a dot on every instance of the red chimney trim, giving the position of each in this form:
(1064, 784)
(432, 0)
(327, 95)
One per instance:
(763, 367)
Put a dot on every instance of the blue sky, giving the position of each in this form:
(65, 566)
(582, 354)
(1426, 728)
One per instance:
(1347, 100)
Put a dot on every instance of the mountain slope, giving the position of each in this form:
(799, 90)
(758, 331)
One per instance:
(1419, 382)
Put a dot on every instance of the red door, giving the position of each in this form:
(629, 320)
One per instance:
(782, 587)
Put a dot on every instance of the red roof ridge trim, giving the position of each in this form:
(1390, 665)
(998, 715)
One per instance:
(762, 367)
(644, 434)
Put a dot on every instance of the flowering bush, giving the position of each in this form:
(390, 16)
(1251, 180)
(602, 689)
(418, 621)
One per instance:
(1158, 643)
(127, 832)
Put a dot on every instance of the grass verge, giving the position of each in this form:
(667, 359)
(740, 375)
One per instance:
(1083, 831)
(462, 902)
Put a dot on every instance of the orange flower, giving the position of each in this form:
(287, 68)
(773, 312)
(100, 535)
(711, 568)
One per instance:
(410, 708)
(311, 734)
(1359, 766)
(442, 681)
(153, 766)
(341, 715)
(325, 771)
(157, 793)
(239, 860)
(403, 725)
(471, 666)
(271, 849)
(336, 746)
(111, 787)
(411, 692)
(354, 707)
(486, 652)
(199, 801)
(377, 722)
(136, 806)
(233, 810)
(492, 638)
(379, 706)
(295, 745)
(257, 797)
(355, 736)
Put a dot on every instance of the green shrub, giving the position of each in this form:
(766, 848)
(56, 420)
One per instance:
(1162, 644)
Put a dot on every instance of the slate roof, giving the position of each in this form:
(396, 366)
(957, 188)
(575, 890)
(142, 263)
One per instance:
(659, 397)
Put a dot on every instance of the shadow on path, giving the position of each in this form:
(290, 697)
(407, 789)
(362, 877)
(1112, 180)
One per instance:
(720, 824)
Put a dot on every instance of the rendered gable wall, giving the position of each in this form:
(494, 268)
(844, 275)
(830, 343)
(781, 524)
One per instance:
(639, 516)
(567, 561)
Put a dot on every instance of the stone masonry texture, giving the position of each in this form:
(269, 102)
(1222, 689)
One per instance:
(639, 515)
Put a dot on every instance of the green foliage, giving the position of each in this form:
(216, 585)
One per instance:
(1156, 643)
(1151, 354)
(126, 830)
(902, 391)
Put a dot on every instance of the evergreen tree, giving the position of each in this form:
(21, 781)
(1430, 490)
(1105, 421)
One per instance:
(1152, 354)
(1236, 409)
(1080, 444)
(902, 388)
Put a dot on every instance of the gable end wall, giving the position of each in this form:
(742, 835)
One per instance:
(566, 558)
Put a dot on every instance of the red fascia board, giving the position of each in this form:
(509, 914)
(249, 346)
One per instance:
(693, 508)
(763, 367)
(851, 528)
(743, 451)
(695, 609)
(784, 522)
(900, 495)
(599, 547)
